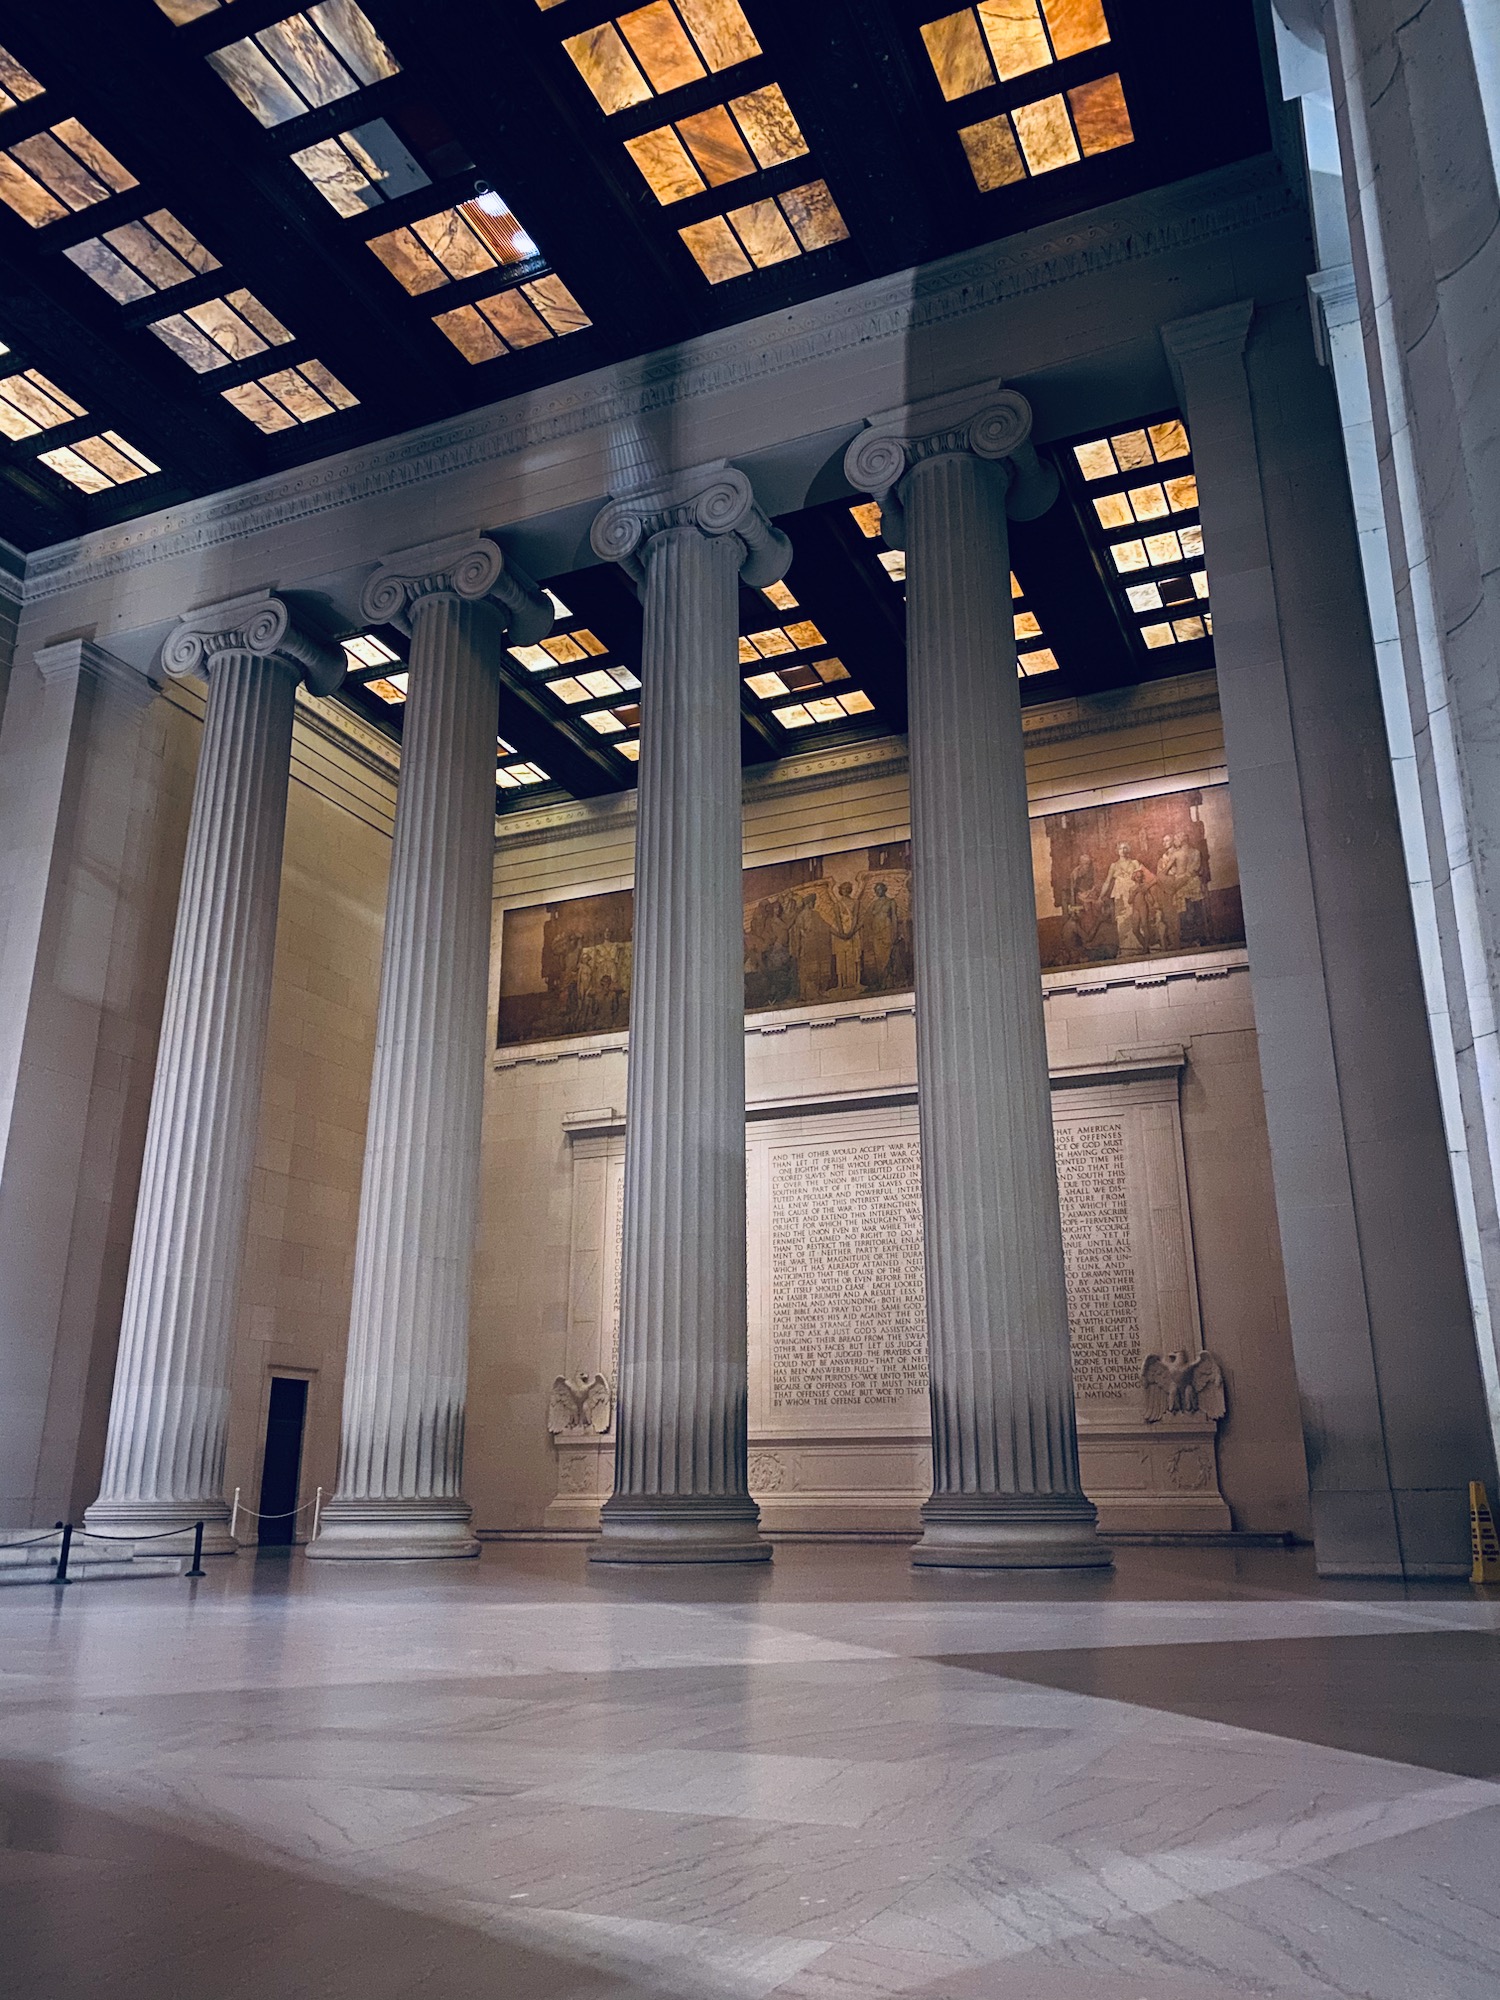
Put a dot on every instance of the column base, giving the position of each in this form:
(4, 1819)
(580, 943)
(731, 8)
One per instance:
(394, 1531)
(136, 1520)
(679, 1528)
(1010, 1531)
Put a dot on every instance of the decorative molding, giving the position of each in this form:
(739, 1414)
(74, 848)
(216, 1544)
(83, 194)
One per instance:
(1205, 209)
(1144, 974)
(789, 777)
(1127, 1065)
(349, 733)
(12, 575)
(256, 623)
(76, 659)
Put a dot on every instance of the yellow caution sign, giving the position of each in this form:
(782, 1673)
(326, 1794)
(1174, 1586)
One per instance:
(1482, 1535)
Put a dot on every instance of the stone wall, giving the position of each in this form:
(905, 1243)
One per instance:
(532, 1293)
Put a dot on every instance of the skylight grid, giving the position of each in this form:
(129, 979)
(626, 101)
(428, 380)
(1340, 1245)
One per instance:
(524, 316)
(31, 403)
(1053, 132)
(724, 143)
(763, 233)
(305, 61)
(17, 84)
(210, 335)
(796, 674)
(513, 777)
(1001, 39)
(464, 242)
(95, 464)
(581, 671)
(361, 168)
(290, 396)
(1143, 496)
(659, 48)
(155, 253)
(58, 172)
(1033, 655)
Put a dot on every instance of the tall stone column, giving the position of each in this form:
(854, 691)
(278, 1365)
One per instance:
(680, 1487)
(164, 1460)
(1006, 1492)
(406, 1375)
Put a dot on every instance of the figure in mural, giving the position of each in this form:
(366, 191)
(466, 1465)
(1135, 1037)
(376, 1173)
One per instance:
(1179, 887)
(1130, 879)
(1127, 886)
(878, 928)
(811, 939)
(1085, 927)
(846, 939)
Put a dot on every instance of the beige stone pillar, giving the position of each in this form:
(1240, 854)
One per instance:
(1006, 1492)
(164, 1461)
(680, 1488)
(406, 1375)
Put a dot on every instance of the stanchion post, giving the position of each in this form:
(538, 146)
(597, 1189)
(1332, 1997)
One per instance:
(63, 1552)
(234, 1516)
(317, 1512)
(197, 1568)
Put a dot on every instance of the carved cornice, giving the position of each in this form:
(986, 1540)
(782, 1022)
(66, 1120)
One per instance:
(12, 575)
(257, 623)
(714, 499)
(1205, 209)
(811, 771)
(466, 566)
(350, 734)
(81, 659)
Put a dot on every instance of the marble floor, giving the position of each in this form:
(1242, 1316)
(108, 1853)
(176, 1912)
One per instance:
(1207, 1776)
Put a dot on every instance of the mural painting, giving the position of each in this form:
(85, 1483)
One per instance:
(1138, 879)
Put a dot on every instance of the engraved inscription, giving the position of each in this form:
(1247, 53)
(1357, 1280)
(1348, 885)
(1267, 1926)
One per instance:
(1097, 1254)
(848, 1312)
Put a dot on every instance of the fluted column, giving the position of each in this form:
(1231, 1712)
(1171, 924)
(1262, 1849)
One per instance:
(406, 1374)
(164, 1461)
(1006, 1492)
(680, 1487)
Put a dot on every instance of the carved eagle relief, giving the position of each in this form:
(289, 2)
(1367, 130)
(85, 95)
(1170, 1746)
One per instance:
(579, 1403)
(1178, 1384)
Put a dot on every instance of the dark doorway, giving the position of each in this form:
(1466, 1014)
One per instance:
(283, 1461)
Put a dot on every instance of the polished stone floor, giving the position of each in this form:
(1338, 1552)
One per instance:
(1207, 1776)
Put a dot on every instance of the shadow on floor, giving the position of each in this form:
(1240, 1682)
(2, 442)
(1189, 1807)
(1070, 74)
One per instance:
(93, 1904)
(1426, 1698)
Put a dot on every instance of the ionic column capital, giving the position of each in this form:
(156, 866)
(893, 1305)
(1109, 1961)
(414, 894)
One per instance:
(258, 623)
(715, 499)
(467, 566)
(986, 421)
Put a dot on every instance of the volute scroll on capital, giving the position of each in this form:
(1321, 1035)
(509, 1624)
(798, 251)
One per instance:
(716, 500)
(259, 623)
(464, 566)
(990, 422)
